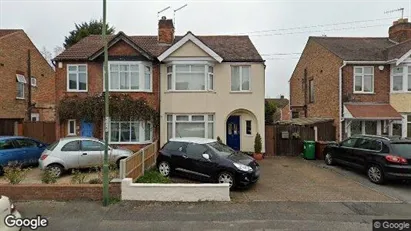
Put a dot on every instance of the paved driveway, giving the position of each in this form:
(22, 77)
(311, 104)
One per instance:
(296, 179)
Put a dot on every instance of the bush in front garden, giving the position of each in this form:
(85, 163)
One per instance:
(15, 174)
(48, 177)
(78, 177)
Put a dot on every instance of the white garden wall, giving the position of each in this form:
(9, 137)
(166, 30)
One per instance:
(174, 192)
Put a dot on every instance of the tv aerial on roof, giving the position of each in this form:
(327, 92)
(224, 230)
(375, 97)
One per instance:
(174, 16)
(161, 11)
(396, 10)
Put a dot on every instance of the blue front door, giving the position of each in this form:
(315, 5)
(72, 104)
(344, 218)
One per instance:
(86, 129)
(233, 132)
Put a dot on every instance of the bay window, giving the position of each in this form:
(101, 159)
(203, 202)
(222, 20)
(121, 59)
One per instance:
(130, 132)
(240, 78)
(363, 79)
(190, 126)
(130, 76)
(190, 77)
(401, 78)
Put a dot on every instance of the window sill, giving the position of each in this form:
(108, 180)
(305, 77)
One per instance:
(400, 92)
(130, 91)
(364, 93)
(19, 98)
(247, 135)
(241, 92)
(192, 91)
(121, 143)
(78, 91)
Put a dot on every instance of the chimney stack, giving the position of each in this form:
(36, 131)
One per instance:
(400, 30)
(165, 30)
(281, 96)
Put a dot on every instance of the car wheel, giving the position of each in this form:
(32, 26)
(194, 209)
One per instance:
(164, 168)
(375, 174)
(226, 177)
(56, 169)
(329, 159)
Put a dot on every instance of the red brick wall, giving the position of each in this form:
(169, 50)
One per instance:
(95, 86)
(323, 68)
(13, 58)
(381, 86)
(58, 192)
(285, 113)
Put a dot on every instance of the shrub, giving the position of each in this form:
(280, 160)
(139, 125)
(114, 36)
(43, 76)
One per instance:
(15, 174)
(78, 177)
(48, 177)
(95, 181)
(152, 176)
(219, 140)
(257, 143)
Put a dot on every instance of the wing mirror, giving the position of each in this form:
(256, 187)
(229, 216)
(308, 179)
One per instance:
(206, 156)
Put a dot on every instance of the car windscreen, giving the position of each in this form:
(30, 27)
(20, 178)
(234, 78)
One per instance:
(52, 146)
(403, 149)
(222, 149)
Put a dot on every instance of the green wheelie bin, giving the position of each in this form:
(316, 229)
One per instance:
(309, 150)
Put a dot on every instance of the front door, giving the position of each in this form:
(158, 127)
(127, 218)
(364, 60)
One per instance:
(86, 129)
(233, 132)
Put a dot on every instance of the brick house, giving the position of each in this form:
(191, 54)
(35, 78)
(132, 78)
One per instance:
(191, 74)
(16, 84)
(360, 82)
(283, 108)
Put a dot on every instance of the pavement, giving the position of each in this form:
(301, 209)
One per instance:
(296, 179)
(128, 215)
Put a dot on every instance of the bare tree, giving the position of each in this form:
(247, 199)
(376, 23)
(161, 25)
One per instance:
(47, 55)
(58, 50)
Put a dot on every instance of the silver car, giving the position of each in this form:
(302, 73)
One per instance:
(78, 152)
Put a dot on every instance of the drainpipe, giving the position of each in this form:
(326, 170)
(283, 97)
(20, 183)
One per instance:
(340, 92)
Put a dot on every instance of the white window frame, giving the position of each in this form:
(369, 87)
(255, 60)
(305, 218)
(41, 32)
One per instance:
(207, 75)
(241, 78)
(21, 80)
(251, 128)
(378, 127)
(35, 115)
(405, 78)
(33, 82)
(141, 76)
(206, 122)
(141, 130)
(362, 80)
(68, 127)
(77, 74)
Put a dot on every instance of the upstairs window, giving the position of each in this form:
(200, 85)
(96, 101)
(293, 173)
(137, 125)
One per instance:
(77, 77)
(21, 80)
(401, 79)
(311, 90)
(190, 77)
(130, 76)
(240, 78)
(363, 79)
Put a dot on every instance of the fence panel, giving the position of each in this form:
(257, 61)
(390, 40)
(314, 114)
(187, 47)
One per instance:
(43, 131)
(135, 165)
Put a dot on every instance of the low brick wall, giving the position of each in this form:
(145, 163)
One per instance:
(58, 192)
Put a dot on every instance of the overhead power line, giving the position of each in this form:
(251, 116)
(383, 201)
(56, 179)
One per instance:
(322, 30)
(314, 26)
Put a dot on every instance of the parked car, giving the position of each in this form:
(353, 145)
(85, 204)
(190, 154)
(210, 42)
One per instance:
(7, 208)
(383, 158)
(78, 152)
(19, 150)
(207, 160)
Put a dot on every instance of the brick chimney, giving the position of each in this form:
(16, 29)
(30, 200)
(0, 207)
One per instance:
(400, 30)
(165, 30)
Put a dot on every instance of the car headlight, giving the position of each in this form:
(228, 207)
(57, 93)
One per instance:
(243, 167)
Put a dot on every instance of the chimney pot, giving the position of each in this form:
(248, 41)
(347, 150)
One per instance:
(281, 96)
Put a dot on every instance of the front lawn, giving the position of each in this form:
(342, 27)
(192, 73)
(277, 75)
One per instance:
(153, 176)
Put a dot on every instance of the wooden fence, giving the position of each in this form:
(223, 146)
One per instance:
(43, 131)
(288, 139)
(135, 165)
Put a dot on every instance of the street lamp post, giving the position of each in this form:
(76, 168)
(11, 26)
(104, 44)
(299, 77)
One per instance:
(106, 109)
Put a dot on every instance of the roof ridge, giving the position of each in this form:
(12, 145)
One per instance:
(337, 37)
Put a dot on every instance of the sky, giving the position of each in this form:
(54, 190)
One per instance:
(278, 29)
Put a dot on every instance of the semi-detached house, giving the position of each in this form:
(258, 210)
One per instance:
(202, 86)
(363, 83)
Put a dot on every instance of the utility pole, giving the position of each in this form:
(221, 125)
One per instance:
(106, 110)
(29, 85)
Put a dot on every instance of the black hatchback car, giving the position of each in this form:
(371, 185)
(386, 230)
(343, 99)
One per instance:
(383, 158)
(207, 160)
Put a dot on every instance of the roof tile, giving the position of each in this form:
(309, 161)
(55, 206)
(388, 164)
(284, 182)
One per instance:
(369, 111)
